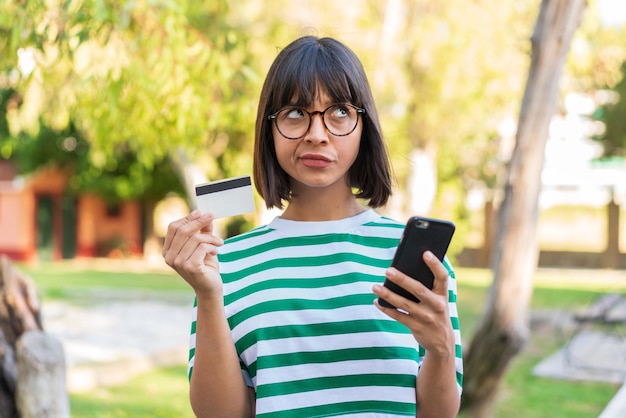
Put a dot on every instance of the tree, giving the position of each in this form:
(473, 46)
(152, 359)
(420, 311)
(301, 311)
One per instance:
(122, 73)
(503, 330)
(612, 115)
(151, 80)
(121, 177)
(461, 92)
(597, 67)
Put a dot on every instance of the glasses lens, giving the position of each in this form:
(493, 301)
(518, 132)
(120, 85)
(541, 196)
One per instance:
(340, 119)
(293, 122)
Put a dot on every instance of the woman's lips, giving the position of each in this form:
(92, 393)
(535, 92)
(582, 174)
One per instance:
(315, 161)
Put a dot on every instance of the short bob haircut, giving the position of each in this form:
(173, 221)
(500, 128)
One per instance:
(299, 71)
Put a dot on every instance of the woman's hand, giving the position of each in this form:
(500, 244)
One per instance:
(190, 248)
(428, 320)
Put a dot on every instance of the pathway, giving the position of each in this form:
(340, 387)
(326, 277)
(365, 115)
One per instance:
(109, 341)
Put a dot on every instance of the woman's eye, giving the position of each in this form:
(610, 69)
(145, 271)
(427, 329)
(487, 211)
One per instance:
(294, 114)
(340, 112)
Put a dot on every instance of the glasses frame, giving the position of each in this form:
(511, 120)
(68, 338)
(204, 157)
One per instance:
(274, 117)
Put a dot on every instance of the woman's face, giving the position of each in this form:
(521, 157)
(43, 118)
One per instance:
(319, 159)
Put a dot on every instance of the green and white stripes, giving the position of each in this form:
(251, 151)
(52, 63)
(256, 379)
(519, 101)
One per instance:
(299, 303)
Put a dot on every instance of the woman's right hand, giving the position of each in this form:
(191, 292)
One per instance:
(190, 248)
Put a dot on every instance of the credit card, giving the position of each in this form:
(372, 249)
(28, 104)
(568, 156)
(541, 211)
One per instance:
(228, 197)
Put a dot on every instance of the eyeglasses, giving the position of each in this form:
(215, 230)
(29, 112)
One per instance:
(294, 122)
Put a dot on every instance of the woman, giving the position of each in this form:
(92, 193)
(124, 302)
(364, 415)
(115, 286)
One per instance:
(286, 322)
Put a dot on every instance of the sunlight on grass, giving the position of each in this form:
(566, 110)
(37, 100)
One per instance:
(581, 279)
(162, 393)
(523, 395)
(66, 281)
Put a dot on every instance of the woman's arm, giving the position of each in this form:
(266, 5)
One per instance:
(436, 390)
(217, 387)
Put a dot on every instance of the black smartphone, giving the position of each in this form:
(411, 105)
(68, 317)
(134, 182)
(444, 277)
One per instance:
(420, 234)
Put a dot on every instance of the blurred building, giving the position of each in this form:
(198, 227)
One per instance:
(39, 220)
(573, 171)
(575, 175)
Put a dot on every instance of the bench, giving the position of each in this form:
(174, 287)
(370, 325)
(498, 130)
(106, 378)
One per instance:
(608, 309)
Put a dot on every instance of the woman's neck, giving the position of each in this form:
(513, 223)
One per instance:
(320, 205)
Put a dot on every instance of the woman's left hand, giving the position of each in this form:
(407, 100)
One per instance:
(429, 319)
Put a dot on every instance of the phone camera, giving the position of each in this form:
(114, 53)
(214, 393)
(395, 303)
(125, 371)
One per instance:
(421, 224)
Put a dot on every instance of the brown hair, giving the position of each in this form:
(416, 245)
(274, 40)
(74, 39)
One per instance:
(299, 70)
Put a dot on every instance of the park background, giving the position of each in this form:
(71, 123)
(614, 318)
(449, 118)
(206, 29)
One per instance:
(111, 110)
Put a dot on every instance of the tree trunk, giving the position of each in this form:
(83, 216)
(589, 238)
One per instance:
(152, 244)
(189, 173)
(504, 330)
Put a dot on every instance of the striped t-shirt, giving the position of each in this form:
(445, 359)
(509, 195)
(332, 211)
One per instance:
(298, 298)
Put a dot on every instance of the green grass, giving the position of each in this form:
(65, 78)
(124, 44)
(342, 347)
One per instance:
(164, 392)
(523, 395)
(66, 281)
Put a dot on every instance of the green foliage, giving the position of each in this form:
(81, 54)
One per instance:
(135, 81)
(596, 64)
(179, 87)
(115, 177)
(612, 114)
(595, 55)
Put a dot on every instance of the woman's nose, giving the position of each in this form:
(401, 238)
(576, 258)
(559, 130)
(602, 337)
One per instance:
(317, 130)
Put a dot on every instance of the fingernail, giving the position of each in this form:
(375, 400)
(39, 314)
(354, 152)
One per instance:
(428, 255)
(391, 272)
(195, 214)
